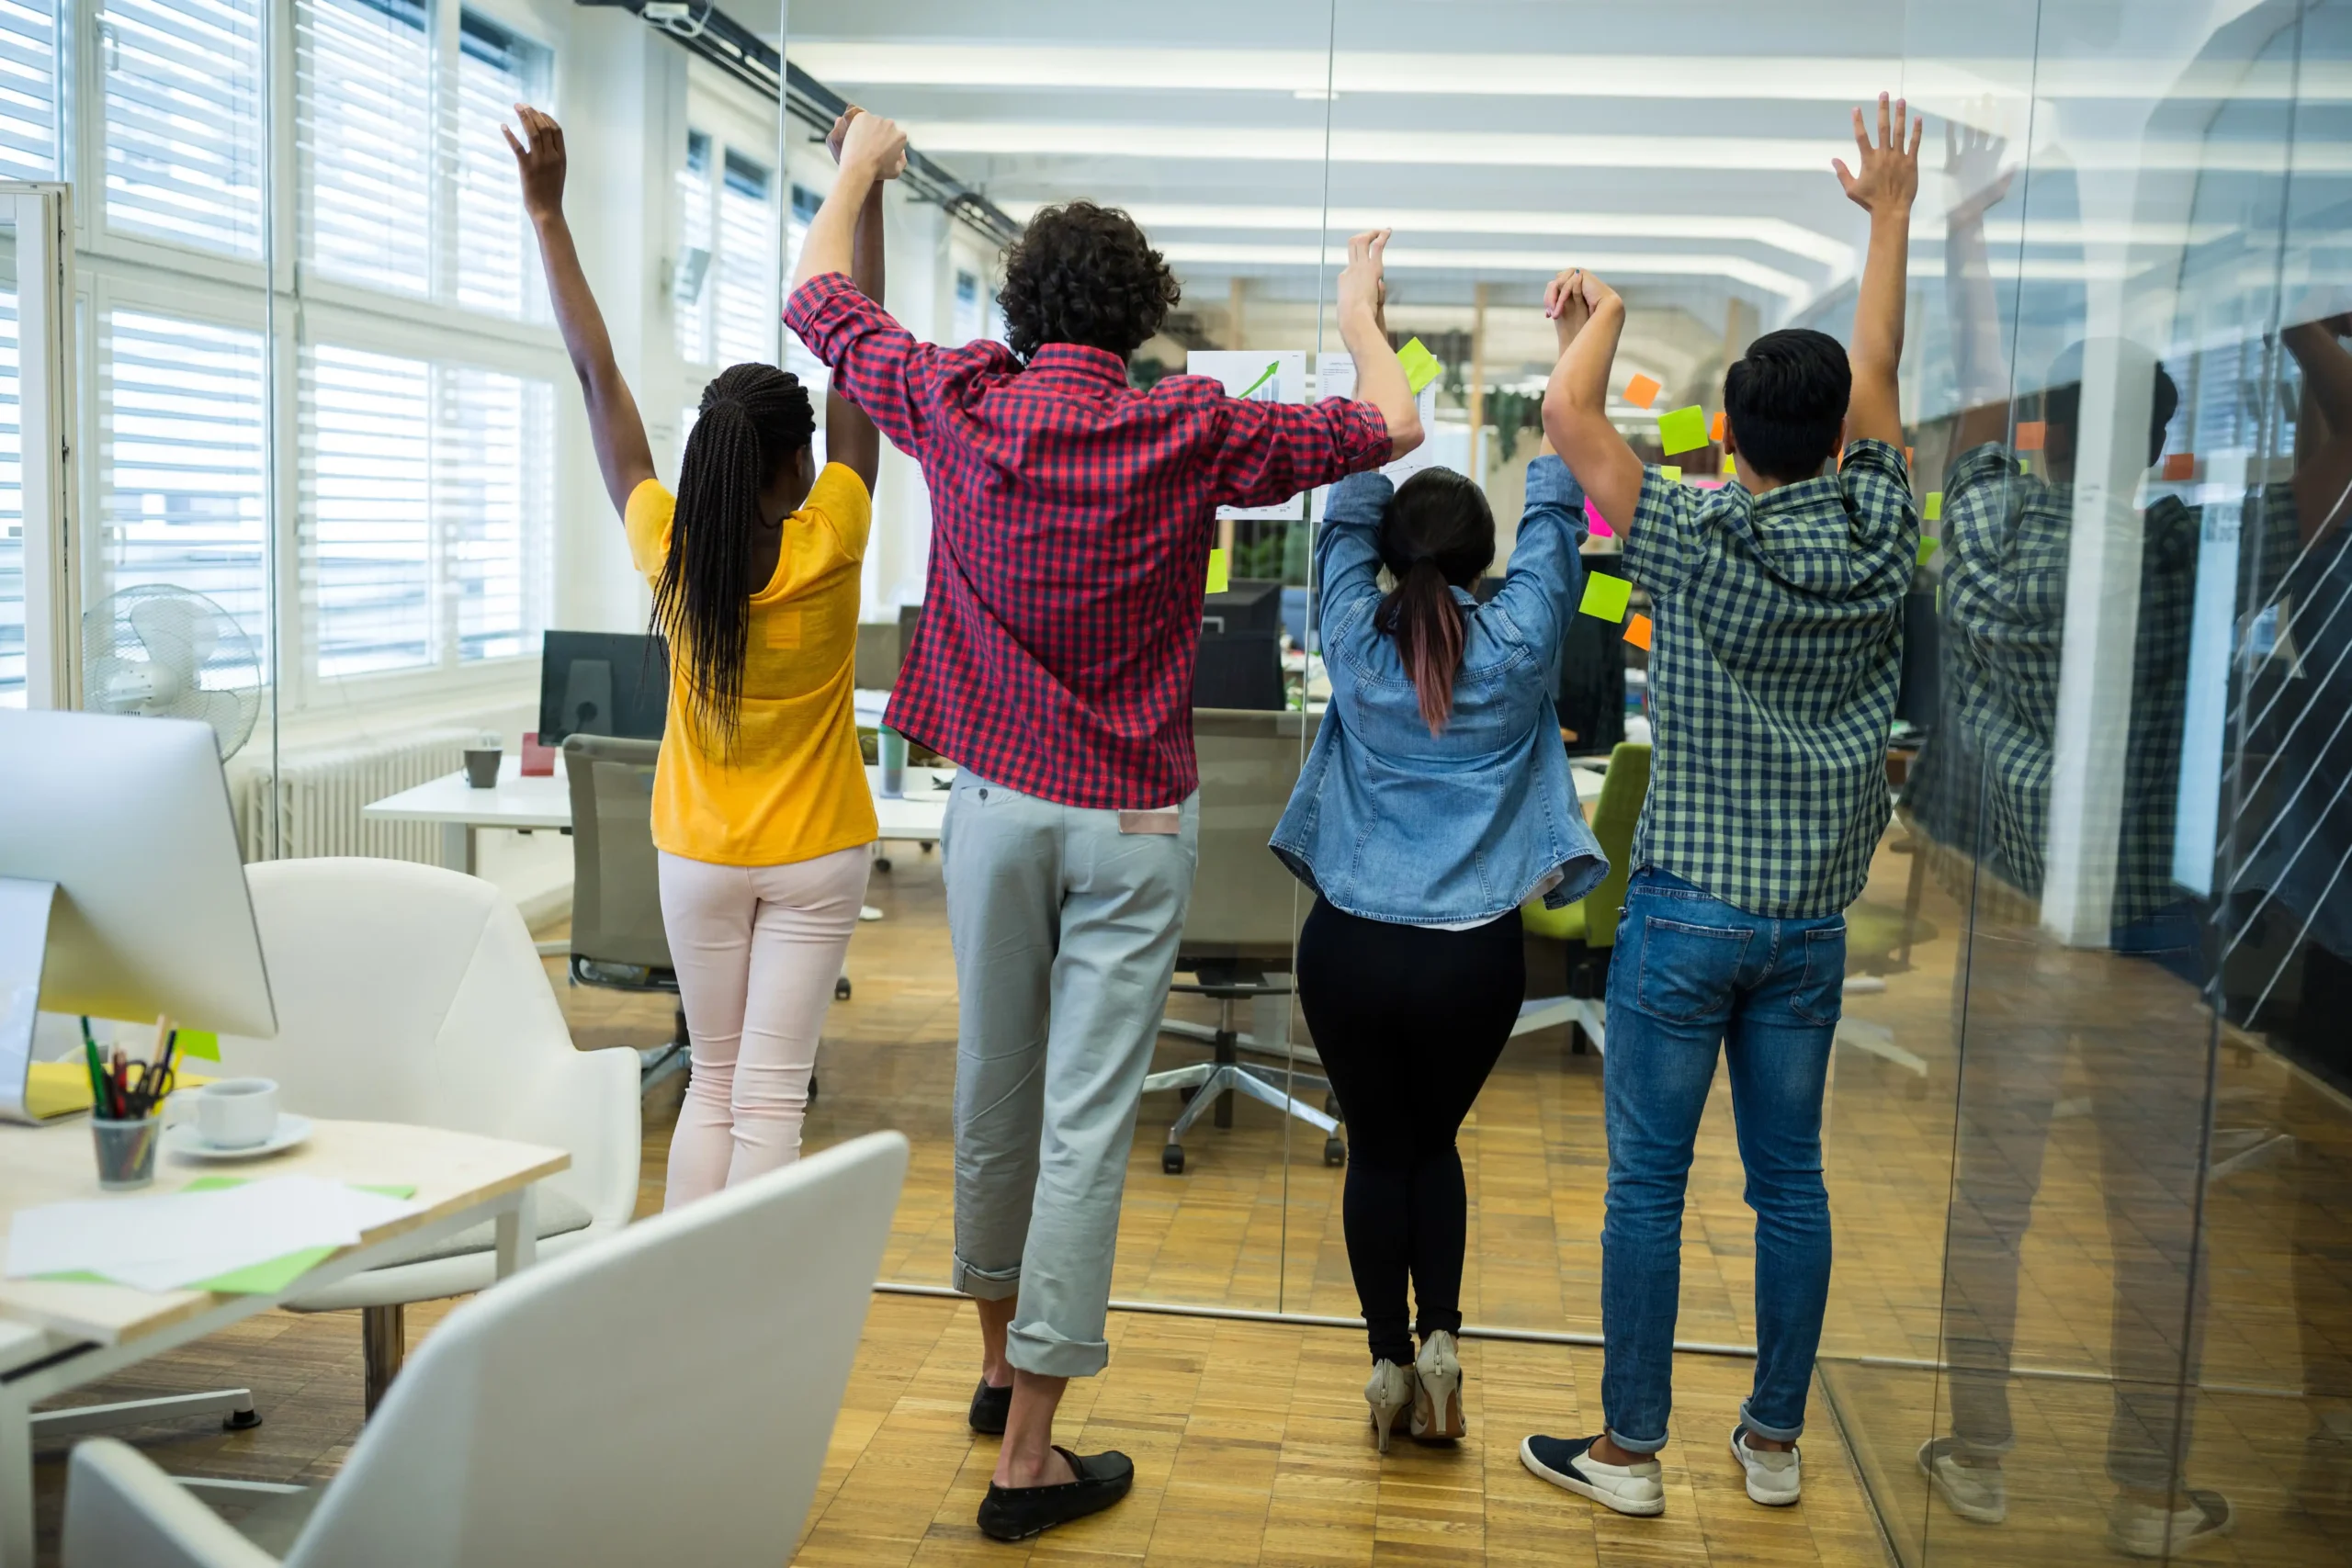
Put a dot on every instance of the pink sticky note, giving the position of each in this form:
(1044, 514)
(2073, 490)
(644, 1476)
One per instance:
(1601, 529)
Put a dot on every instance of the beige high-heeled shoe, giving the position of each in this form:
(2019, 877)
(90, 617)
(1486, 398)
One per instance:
(1391, 1389)
(1437, 1391)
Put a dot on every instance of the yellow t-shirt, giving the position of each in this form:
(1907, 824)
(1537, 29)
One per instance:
(794, 785)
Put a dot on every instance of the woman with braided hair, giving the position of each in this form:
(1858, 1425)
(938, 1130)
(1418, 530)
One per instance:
(760, 806)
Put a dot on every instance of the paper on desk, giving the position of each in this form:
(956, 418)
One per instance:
(176, 1240)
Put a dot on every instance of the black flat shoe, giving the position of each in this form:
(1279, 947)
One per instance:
(1016, 1513)
(992, 1408)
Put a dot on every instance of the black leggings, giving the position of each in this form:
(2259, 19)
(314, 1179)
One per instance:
(1409, 1022)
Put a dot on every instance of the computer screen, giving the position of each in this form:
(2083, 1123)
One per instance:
(613, 683)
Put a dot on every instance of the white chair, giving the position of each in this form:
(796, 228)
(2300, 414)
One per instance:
(407, 993)
(664, 1396)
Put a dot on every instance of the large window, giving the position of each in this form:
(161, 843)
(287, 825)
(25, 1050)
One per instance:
(180, 462)
(425, 491)
(28, 90)
(183, 122)
(367, 144)
(12, 504)
(491, 256)
(723, 276)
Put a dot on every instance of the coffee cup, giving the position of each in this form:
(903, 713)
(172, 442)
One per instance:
(235, 1113)
(482, 766)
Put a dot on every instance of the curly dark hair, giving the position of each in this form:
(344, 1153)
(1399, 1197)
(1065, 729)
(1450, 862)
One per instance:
(1085, 273)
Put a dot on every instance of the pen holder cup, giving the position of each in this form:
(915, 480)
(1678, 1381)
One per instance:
(126, 1151)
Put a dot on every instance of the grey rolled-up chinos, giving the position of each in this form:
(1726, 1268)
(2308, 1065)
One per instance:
(1065, 928)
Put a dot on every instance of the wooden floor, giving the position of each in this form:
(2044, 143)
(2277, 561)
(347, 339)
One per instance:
(1250, 1439)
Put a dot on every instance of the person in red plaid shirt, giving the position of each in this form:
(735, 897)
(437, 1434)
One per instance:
(1071, 519)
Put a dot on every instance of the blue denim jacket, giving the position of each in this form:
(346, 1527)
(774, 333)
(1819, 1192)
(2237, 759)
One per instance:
(1392, 824)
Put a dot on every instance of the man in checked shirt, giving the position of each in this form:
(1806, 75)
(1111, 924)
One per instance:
(1776, 655)
(1071, 518)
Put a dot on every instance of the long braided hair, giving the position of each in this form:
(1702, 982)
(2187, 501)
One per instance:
(1439, 535)
(755, 420)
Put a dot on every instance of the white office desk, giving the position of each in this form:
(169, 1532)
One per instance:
(55, 1336)
(462, 810)
(1587, 783)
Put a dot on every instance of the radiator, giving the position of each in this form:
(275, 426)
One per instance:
(318, 794)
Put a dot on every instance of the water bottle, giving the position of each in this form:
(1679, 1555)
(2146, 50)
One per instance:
(893, 747)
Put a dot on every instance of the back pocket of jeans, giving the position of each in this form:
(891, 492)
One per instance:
(1686, 970)
(1820, 996)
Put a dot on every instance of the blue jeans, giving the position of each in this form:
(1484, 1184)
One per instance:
(1690, 972)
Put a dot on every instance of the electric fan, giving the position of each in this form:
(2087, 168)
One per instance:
(167, 652)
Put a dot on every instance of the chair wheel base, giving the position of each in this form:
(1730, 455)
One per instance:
(1331, 1105)
(1187, 1093)
(841, 989)
(1334, 1152)
(241, 1420)
(1171, 1159)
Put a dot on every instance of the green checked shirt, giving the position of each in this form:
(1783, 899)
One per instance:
(1775, 656)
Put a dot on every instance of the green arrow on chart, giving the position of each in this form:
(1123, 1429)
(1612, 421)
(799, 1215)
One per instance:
(1264, 377)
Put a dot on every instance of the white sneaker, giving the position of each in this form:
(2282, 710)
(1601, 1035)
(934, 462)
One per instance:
(1975, 1492)
(2140, 1530)
(1437, 1398)
(1568, 1462)
(1772, 1478)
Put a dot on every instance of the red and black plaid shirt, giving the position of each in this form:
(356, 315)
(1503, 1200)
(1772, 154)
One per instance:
(1071, 520)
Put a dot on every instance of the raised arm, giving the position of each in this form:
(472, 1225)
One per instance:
(1590, 318)
(622, 452)
(1380, 379)
(872, 148)
(851, 438)
(2324, 437)
(1972, 166)
(1885, 188)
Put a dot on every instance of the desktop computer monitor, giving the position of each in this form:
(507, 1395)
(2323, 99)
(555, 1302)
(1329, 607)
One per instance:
(613, 683)
(123, 893)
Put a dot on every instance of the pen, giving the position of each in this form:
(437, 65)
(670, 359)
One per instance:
(97, 1070)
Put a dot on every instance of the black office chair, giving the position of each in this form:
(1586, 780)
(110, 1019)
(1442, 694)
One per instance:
(1241, 927)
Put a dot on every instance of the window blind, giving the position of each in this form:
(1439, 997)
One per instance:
(12, 497)
(690, 272)
(180, 464)
(28, 89)
(428, 510)
(744, 306)
(367, 141)
(183, 120)
(495, 259)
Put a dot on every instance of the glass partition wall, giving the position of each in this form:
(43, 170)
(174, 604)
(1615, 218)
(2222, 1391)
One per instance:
(2087, 1142)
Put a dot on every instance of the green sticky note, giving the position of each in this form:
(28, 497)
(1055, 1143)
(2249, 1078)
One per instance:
(1420, 366)
(1683, 430)
(1934, 511)
(1219, 573)
(202, 1043)
(222, 1183)
(267, 1278)
(1673, 475)
(1606, 596)
(1927, 549)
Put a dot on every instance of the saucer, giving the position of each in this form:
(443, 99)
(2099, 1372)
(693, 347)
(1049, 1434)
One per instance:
(186, 1142)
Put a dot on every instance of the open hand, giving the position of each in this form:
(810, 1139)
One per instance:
(1973, 167)
(1889, 167)
(539, 160)
(1563, 301)
(870, 141)
(1362, 285)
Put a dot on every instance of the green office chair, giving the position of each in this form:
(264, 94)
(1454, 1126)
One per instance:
(1589, 925)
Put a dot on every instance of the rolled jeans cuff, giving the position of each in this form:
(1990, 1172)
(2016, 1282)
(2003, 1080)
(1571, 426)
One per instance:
(1771, 1433)
(1033, 1347)
(1635, 1446)
(984, 1284)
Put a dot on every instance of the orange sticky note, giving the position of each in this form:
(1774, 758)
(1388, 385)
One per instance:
(2180, 465)
(1906, 456)
(2032, 433)
(1637, 632)
(1641, 391)
(1715, 430)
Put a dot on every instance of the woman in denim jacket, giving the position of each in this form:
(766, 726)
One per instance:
(1436, 800)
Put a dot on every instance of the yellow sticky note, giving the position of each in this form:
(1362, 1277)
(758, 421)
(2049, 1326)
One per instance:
(1219, 573)
(1606, 596)
(1926, 547)
(1731, 466)
(1637, 632)
(1641, 391)
(1420, 366)
(1673, 475)
(1934, 510)
(202, 1043)
(1683, 430)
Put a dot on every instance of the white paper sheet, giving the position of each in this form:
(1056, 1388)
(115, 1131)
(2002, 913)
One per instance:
(167, 1241)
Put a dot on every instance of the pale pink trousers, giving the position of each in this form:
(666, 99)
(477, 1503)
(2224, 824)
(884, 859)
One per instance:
(757, 949)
